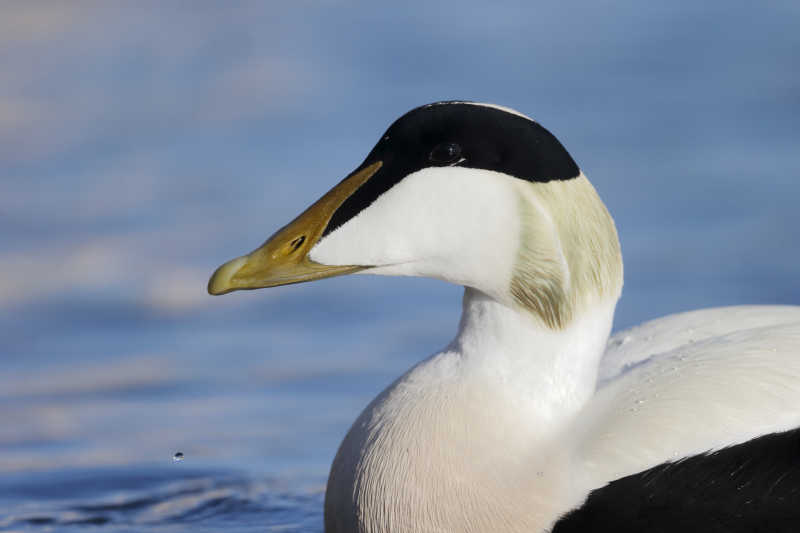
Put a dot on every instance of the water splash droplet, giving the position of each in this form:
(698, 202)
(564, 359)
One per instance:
(178, 456)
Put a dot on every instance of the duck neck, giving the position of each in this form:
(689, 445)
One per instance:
(465, 440)
(548, 373)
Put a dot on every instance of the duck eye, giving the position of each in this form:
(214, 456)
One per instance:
(445, 153)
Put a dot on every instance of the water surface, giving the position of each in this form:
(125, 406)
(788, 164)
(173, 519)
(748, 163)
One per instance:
(140, 147)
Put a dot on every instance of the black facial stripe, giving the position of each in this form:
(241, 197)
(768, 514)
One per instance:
(488, 138)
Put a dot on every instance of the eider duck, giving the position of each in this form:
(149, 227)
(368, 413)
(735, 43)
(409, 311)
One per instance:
(531, 420)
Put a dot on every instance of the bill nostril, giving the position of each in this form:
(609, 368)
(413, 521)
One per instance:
(297, 243)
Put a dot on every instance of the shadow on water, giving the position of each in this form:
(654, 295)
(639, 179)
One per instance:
(154, 499)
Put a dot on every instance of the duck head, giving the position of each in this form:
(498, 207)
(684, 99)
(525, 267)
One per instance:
(474, 194)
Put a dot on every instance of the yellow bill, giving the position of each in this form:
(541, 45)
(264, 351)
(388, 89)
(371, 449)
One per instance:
(283, 259)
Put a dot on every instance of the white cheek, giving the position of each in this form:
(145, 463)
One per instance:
(451, 223)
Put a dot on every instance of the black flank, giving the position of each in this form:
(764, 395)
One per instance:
(752, 487)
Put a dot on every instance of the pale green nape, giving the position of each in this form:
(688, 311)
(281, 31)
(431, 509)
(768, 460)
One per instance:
(569, 254)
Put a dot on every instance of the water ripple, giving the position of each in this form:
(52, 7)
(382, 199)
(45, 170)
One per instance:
(209, 502)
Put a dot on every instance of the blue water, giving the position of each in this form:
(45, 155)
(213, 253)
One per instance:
(140, 147)
(155, 498)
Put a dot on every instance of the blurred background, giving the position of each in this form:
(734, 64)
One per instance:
(143, 144)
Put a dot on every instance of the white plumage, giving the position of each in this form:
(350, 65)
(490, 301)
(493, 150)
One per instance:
(692, 382)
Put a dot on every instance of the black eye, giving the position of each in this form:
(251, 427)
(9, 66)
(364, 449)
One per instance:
(445, 153)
